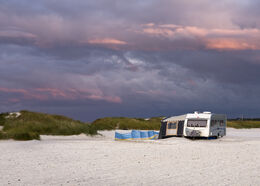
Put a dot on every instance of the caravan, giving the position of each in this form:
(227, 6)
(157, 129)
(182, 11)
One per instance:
(195, 124)
(205, 124)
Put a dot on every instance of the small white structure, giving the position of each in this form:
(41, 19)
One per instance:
(205, 124)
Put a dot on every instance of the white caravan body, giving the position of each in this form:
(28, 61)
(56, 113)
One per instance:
(205, 124)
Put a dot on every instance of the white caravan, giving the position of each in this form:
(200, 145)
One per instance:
(205, 124)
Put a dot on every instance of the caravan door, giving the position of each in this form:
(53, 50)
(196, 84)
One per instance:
(180, 128)
(163, 129)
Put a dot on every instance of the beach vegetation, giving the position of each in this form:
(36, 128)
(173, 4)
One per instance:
(30, 125)
(239, 124)
(124, 123)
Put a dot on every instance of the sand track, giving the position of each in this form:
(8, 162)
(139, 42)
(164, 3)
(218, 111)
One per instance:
(83, 160)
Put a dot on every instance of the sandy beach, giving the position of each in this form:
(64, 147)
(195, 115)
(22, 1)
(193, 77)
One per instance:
(84, 160)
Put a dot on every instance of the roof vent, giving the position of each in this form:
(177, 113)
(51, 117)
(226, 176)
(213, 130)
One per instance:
(206, 112)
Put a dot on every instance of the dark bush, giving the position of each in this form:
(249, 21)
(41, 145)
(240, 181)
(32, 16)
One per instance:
(2, 118)
(23, 135)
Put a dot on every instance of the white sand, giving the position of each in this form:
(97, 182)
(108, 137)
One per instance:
(82, 160)
(13, 115)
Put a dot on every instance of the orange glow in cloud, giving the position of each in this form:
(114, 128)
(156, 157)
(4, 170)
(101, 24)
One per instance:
(229, 44)
(107, 41)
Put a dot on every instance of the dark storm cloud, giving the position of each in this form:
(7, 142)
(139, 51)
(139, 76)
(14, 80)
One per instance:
(163, 82)
(236, 67)
(129, 58)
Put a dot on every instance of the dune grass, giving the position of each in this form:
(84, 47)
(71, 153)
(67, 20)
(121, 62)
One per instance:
(30, 125)
(124, 123)
(2, 118)
(239, 124)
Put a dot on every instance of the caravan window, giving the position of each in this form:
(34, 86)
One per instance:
(213, 123)
(172, 125)
(196, 123)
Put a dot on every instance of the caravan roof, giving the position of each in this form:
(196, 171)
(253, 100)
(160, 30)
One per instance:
(175, 118)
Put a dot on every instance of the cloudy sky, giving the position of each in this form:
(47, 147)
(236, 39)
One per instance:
(94, 58)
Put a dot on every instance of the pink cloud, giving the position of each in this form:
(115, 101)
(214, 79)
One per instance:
(59, 94)
(215, 39)
(230, 44)
(13, 90)
(52, 91)
(171, 30)
(94, 94)
(27, 94)
(113, 99)
(50, 30)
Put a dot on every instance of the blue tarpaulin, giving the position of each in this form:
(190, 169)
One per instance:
(137, 135)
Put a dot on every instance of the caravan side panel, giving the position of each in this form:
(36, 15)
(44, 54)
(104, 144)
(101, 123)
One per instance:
(218, 125)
